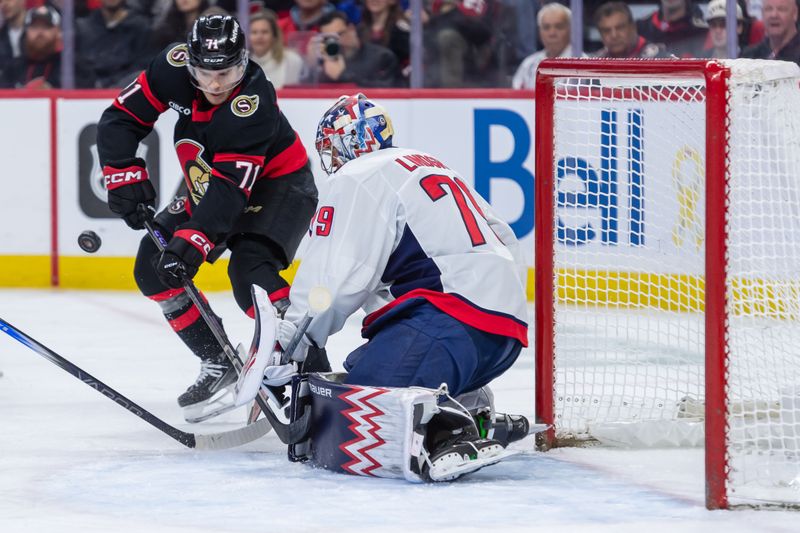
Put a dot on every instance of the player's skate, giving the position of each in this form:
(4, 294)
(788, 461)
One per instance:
(212, 393)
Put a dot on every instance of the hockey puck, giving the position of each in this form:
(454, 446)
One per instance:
(89, 241)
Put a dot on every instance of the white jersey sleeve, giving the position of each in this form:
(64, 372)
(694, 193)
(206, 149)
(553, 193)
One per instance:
(351, 238)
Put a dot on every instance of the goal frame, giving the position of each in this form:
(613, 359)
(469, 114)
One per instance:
(716, 77)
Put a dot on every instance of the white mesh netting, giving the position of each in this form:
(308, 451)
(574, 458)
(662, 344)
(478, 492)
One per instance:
(629, 234)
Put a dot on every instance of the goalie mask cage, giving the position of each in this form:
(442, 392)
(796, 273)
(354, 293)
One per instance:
(668, 264)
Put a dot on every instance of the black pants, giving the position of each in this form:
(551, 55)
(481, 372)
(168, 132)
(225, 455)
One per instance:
(262, 242)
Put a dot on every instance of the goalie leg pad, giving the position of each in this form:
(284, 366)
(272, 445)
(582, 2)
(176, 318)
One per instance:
(369, 431)
(394, 432)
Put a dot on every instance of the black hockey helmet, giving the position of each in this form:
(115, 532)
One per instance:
(217, 53)
(216, 42)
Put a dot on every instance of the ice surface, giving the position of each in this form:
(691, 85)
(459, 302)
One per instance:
(73, 462)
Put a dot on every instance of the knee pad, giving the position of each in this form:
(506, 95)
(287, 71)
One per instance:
(369, 431)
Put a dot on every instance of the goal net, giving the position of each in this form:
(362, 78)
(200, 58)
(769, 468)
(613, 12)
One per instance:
(668, 264)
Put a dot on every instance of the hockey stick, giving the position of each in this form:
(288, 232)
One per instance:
(211, 441)
(319, 300)
(287, 433)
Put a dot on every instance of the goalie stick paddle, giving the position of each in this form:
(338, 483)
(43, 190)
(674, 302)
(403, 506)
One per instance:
(211, 441)
(290, 433)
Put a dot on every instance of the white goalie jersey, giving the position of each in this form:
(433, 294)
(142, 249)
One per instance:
(397, 224)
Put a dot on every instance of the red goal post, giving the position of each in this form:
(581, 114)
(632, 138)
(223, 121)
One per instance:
(651, 302)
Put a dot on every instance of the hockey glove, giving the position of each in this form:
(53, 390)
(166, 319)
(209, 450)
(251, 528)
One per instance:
(277, 374)
(182, 257)
(286, 332)
(128, 186)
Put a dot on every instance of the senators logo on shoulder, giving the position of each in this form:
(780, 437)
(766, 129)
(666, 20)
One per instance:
(244, 105)
(178, 55)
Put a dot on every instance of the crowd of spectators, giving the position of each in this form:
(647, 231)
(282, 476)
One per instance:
(366, 43)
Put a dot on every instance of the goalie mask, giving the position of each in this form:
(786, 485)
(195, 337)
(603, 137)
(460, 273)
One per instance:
(217, 54)
(354, 126)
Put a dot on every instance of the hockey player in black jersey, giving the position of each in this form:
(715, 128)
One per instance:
(247, 186)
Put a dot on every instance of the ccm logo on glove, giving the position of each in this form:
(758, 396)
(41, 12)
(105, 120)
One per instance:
(117, 177)
(196, 239)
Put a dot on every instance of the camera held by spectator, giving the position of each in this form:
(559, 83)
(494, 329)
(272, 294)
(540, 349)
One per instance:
(337, 55)
(331, 46)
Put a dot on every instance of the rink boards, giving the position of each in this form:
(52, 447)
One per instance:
(53, 187)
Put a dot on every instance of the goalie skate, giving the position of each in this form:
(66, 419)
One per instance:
(212, 393)
(454, 460)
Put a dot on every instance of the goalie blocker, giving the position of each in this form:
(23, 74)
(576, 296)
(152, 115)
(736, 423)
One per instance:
(406, 433)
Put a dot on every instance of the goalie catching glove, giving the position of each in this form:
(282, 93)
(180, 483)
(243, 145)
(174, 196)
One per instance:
(128, 186)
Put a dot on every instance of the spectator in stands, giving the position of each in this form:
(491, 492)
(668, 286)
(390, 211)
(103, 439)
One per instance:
(151, 10)
(343, 59)
(525, 14)
(782, 40)
(715, 17)
(281, 65)
(176, 23)
(214, 10)
(752, 30)
(458, 44)
(111, 46)
(678, 25)
(752, 8)
(617, 29)
(303, 23)
(384, 23)
(39, 66)
(13, 12)
(554, 29)
(280, 7)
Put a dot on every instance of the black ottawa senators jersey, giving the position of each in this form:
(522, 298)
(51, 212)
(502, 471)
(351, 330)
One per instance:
(222, 149)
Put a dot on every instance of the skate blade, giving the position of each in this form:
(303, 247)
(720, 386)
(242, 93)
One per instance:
(220, 403)
(454, 466)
